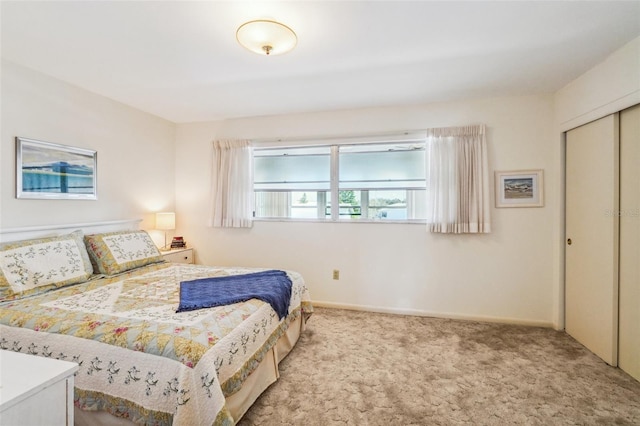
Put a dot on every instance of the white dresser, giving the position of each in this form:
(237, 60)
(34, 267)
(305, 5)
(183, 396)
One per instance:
(35, 390)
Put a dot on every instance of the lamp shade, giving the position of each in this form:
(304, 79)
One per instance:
(166, 221)
(266, 37)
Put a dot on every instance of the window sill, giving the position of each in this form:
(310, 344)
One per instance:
(370, 221)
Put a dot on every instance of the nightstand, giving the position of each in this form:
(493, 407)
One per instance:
(184, 255)
(35, 390)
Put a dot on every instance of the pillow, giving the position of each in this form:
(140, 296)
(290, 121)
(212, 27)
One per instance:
(31, 267)
(115, 252)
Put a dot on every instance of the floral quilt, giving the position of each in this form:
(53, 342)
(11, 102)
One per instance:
(140, 359)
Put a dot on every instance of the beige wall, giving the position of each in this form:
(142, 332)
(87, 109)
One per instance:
(514, 274)
(504, 276)
(135, 151)
(610, 86)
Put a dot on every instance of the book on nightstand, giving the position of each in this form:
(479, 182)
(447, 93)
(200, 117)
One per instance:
(178, 242)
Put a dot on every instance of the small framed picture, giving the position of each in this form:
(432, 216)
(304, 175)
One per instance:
(519, 188)
(46, 170)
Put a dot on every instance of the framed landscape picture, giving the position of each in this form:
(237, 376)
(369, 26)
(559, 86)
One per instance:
(47, 170)
(519, 188)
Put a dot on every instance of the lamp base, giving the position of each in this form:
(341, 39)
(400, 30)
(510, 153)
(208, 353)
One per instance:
(165, 247)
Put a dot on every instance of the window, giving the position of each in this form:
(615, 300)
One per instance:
(371, 182)
(291, 182)
(382, 181)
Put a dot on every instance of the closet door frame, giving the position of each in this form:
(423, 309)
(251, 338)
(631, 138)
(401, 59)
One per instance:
(629, 279)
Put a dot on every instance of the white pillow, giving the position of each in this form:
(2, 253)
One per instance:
(115, 252)
(30, 267)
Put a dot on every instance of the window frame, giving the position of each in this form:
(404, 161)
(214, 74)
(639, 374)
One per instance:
(334, 190)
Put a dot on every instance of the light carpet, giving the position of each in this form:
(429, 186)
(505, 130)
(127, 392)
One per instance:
(361, 368)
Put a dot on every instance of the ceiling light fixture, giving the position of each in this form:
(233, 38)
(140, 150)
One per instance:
(266, 37)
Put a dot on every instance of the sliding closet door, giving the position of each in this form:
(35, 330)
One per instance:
(629, 334)
(592, 203)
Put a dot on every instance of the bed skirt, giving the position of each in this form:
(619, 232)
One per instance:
(257, 382)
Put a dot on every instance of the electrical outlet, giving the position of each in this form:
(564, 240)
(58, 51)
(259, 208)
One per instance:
(336, 274)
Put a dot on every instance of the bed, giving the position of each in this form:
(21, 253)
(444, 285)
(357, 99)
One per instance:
(108, 302)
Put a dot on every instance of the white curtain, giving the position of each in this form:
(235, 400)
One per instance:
(273, 204)
(458, 199)
(232, 184)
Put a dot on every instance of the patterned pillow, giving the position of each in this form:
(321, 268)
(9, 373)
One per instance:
(31, 267)
(115, 252)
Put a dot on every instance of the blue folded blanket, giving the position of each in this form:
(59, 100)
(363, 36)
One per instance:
(273, 287)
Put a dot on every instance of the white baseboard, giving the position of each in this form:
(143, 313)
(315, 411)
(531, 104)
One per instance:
(418, 312)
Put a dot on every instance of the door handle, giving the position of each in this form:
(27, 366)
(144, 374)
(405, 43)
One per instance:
(569, 241)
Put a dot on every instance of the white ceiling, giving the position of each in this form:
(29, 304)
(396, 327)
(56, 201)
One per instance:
(180, 60)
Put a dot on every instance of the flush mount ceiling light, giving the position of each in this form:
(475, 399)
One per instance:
(266, 37)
